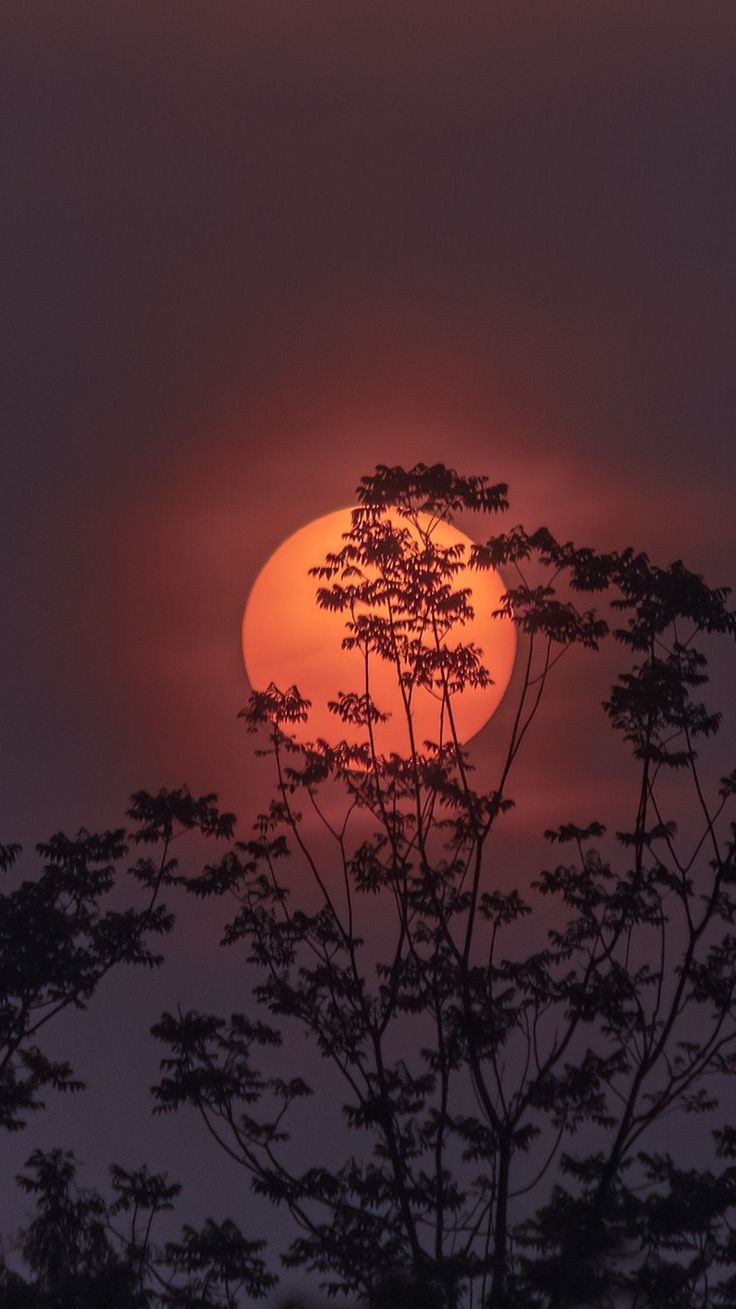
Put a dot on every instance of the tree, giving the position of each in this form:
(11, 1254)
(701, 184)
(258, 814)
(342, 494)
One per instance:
(84, 1256)
(67, 1245)
(60, 934)
(499, 1097)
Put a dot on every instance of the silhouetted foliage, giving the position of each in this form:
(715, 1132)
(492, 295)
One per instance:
(473, 1064)
(60, 934)
(507, 1062)
(86, 1252)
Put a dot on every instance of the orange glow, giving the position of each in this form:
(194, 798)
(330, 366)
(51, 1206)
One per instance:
(288, 639)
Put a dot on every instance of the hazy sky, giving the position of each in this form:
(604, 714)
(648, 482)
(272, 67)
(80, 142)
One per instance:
(251, 249)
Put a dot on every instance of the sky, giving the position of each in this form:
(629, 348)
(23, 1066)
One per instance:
(249, 251)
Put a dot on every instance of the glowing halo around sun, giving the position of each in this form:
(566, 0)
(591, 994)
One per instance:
(289, 640)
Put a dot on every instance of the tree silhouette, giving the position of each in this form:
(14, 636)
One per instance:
(90, 1253)
(499, 1095)
(507, 1055)
(60, 933)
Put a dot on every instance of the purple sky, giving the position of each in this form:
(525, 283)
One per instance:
(250, 250)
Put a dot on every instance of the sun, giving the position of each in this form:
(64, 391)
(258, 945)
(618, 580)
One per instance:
(289, 640)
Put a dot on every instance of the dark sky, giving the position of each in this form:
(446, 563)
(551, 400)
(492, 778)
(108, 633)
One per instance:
(251, 249)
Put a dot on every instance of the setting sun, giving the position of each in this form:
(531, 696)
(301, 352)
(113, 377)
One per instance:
(288, 639)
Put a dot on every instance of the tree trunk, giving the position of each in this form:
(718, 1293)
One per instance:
(500, 1231)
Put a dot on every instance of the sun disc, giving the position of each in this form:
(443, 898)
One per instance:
(289, 640)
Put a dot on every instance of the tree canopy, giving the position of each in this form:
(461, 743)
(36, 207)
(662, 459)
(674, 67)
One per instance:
(507, 1053)
(499, 1098)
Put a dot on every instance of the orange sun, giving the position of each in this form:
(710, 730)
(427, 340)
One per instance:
(288, 639)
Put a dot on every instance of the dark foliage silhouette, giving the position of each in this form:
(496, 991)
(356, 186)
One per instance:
(61, 933)
(507, 1054)
(86, 1252)
(500, 1096)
